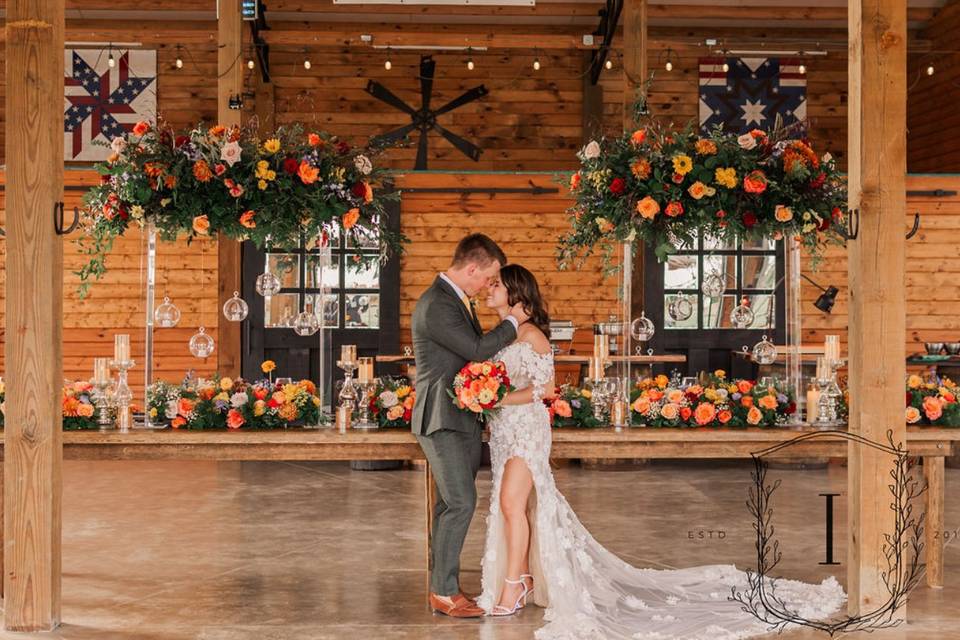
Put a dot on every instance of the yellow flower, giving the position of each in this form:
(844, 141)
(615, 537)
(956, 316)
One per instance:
(720, 373)
(725, 177)
(223, 395)
(698, 190)
(261, 184)
(290, 391)
(586, 393)
(403, 391)
(605, 225)
(682, 164)
(153, 412)
(783, 213)
(662, 381)
(271, 175)
(272, 145)
(706, 147)
(914, 381)
(259, 408)
(316, 401)
(226, 384)
(268, 366)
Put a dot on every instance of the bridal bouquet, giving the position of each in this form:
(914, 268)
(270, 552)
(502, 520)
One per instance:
(480, 387)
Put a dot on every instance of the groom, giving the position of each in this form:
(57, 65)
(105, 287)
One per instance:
(447, 335)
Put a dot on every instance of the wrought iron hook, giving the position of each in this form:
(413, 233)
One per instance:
(850, 226)
(58, 219)
(916, 226)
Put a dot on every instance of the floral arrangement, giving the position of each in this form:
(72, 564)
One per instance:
(213, 180)
(79, 411)
(391, 402)
(234, 404)
(718, 402)
(666, 186)
(572, 407)
(932, 401)
(480, 386)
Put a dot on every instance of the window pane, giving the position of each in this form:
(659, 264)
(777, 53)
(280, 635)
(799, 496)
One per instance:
(716, 312)
(331, 273)
(764, 311)
(285, 266)
(280, 310)
(680, 272)
(723, 266)
(759, 272)
(718, 244)
(364, 238)
(331, 308)
(670, 323)
(362, 310)
(362, 276)
(760, 244)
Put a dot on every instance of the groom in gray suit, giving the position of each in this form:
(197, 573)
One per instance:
(447, 335)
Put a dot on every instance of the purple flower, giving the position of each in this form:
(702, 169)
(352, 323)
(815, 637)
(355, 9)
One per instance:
(221, 404)
(736, 396)
(575, 404)
(85, 399)
(782, 399)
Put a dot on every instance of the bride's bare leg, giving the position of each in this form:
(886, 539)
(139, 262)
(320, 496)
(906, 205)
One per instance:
(515, 487)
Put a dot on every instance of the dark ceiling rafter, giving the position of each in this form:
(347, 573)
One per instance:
(260, 46)
(609, 17)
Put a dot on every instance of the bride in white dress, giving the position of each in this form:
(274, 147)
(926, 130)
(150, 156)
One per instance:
(537, 551)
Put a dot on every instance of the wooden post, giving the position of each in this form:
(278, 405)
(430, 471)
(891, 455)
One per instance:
(33, 449)
(876, 181)
(230, 66)
(634, 75)
(592, 107)
(934, 524)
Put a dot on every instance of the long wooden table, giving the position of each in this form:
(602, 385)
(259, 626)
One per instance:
(931, 444)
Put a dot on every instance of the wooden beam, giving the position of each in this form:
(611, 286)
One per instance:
(876, 182)
(634, 20)
(230, 66)
(33, 446)
(592, 109)
(490, 36)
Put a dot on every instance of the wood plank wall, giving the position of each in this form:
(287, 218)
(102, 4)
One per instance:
(933, 128)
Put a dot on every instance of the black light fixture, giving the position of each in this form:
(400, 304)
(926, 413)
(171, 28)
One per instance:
(827, 299)
(235, 102)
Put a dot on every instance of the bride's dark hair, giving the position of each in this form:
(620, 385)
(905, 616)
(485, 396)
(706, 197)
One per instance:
(522, 287)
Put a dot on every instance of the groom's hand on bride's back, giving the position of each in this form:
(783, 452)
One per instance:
(519, 313)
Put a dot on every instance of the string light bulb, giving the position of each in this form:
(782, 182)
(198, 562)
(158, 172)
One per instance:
(306, 63)
(802, 68)
(669, 65)
(250, 64)
(536, 64)
(930, 70)
(388, 65)
(470, 64)
(111, 61)
(608, 64)
(179, 61)
(726, 67)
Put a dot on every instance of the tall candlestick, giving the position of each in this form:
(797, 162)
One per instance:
(121, 347)
(348, 353)
(101, 370)
(601, 346)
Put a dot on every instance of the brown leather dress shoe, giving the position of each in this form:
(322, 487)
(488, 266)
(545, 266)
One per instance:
(455, 606)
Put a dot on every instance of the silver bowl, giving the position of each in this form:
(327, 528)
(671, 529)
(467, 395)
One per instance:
(953, 348)
(933, 348)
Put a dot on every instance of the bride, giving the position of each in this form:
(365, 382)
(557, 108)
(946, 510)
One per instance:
(538, 551)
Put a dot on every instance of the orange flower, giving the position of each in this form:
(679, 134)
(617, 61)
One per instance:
(705, 413)
(562, 407)
(170, 181)
(912, 415)
(932, 408)
(648, 208)
(234, 419)
(409, 401)
(706, 147)
(783, 213)
(674, 209)
(755, 182)
(697, 190)
(640, 169)
(641, 405)
(724, 416)
(201, 224)
(308, 174)
(178, 422)
(141, 128)
(575, 180)
(654, 395)
(367, 193)
(217, 130)
(70, 406)
(313, 139)
(246, 219)
(670, 411)
(201, 171)
(350, 219)
(746, 401)
(638, 136)
(184, 406)
(754, 416)
(768, 402)
(288, 411)
(85, 410)
(744, 386)
(152, 169)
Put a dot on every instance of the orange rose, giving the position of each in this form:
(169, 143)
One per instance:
(638, 136)
(562, 408)
(201, 224)
(768, 402)
(201, 171)
(913, 415)
(313, 140)
(350, 218)
(724, 416)
(654, 395)
(706, 147)
(246, 219)
(367, 193)
(746, 401)
(670, 411)
(575, 180)
(217, 130)
(408, 402)
(234, 419)
(744, 386)
(178, 422)
(685, 413)
(308, 173)
(141, 128)
(755, 182)
(754, 416)
(932, 408)
(640, 169)
(648, 208)
(675, 396)
(184, 406)
(70, 406)
(705, 413)
(674, 209)
(641, 405)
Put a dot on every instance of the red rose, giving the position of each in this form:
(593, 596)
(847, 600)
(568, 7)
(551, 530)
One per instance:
(290, 165)
(343, 148)
(180, 141)
(141, 128)
(837, 214)
(219, 169)
(618, 186)
(824, 223)
(358, 190)
(817, 182)
(677, 178)
(791, 408)
(749, 219)
(273, 404)
(259, 393)
(104, 179)
(685, 413)
(123, 214)
(407, 414)
(721, 213)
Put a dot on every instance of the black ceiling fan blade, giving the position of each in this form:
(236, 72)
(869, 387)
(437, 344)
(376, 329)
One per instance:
(468, 96)
(380, 92)
(466, 147)
(392, 137)
(421, 163)
(427, 69)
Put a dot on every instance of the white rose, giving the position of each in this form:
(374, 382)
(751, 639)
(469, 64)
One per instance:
(230, 153)
(171, 411)
(363, 165)
(388, 399)
(826, 158)
(118, 144)
(592, 150)
(747, 141)
(238, 399)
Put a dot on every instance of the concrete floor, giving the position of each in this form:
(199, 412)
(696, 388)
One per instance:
(310, 551)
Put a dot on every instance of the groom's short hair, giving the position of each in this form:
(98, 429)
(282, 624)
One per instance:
(480, 249)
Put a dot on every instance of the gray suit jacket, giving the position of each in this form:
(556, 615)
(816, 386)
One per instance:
(445, 337)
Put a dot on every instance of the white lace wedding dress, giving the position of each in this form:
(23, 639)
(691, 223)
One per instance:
(588, 592)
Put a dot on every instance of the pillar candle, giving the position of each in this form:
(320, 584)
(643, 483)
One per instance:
(348, 353)
(101, 370)
(601, 346)
(121, 347)
(813, 398)
(365, 371)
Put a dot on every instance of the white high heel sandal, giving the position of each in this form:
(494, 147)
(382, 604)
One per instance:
(524, 576)
(500, 610)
